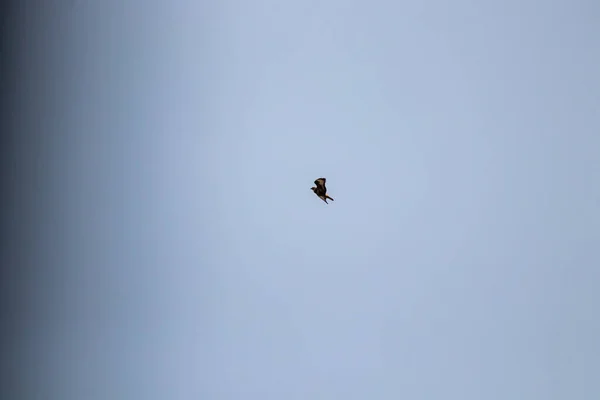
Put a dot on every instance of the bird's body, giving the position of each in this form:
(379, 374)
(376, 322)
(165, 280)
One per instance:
(320, 190)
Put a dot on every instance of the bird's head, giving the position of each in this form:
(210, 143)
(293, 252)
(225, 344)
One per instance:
(313, 188)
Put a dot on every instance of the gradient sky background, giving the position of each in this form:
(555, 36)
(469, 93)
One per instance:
(174, 249)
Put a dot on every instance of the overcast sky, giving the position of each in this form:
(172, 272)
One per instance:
(181, 254)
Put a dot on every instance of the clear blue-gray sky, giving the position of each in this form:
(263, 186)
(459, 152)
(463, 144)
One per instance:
(182, 254)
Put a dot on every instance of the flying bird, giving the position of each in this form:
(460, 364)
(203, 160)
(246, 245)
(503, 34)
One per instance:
(320, 190)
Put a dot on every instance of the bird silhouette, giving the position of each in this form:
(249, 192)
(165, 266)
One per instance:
(320, 190)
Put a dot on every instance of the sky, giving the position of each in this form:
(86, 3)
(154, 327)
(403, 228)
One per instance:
(165, 243)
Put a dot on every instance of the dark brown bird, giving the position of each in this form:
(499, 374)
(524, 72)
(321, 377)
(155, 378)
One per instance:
(320, 190)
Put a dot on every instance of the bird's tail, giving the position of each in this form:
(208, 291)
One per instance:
(329, 197)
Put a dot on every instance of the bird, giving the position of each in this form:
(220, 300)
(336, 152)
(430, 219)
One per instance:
(320, 190)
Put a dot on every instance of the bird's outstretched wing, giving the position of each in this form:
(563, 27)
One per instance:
(320, 183)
